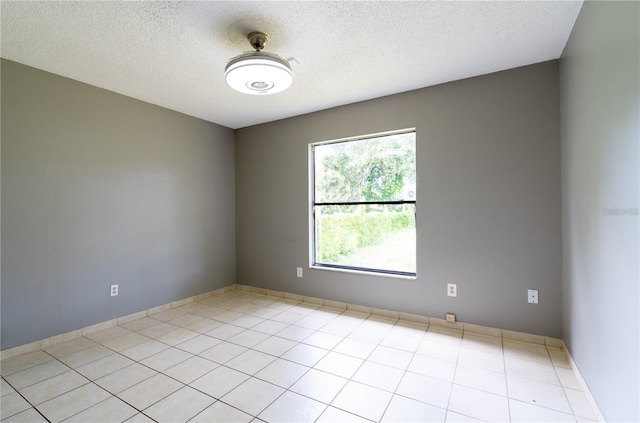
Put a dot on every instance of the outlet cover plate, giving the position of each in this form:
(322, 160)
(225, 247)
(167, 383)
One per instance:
(299, 272)
(114, 290)
(532, 296)
(452, 289)
(451, 318)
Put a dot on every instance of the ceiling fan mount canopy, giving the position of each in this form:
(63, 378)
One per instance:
(258, 40)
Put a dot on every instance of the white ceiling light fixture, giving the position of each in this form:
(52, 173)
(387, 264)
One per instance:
(258, 72)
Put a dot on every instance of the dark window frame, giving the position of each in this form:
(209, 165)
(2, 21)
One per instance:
(313, 206)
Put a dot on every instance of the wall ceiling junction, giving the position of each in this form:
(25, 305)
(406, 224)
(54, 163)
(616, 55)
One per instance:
(173, 54)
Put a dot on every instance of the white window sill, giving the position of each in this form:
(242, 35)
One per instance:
(362, 272)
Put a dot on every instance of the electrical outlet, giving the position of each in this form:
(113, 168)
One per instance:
(452, 289)
(114, 290)
(451, 318)
(299, 272)
(532, 296)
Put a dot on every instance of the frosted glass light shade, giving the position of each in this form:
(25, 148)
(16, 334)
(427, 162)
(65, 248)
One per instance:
(258, 73)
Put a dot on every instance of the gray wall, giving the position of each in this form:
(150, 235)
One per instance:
(488, 212)
(600, 135)
(98, 189)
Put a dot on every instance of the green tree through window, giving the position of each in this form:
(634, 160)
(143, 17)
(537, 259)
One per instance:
(364, 204)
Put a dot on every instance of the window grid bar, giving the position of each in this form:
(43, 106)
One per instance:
(358, 203)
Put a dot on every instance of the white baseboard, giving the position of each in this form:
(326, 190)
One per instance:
(415, 318)
(67, 336)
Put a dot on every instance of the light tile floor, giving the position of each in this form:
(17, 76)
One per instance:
(242, 357)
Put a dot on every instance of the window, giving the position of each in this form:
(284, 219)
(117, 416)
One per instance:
(363, 204)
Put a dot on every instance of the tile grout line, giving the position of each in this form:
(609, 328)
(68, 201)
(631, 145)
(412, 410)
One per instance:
(506, 381)
(455, 370)
(564, 392)
(26, 400)
(300, 342)
(81, 375)
(249, 375)
(267, 292)
(187, 384)
(35, 407)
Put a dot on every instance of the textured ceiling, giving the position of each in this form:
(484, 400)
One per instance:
(173, 53)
